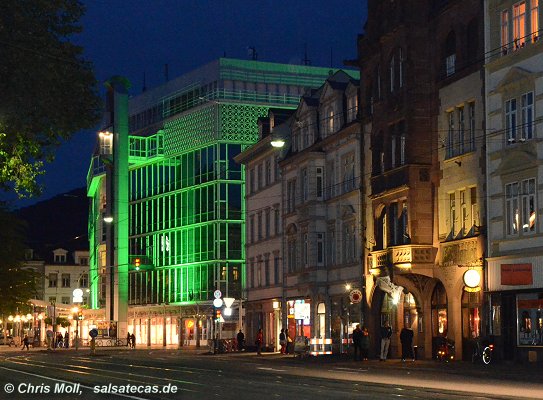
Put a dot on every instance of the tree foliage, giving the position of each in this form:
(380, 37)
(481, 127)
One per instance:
(17, 284)
(48, 90)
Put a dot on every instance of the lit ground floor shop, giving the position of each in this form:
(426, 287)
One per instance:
(164, 325)
(514, 305)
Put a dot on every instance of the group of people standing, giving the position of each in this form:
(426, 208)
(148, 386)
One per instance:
(361, 343)
(131, 340)
(285, 342)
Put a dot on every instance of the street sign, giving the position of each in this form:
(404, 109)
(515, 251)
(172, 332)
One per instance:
(93, 333)
(217, 294)
(355, 296)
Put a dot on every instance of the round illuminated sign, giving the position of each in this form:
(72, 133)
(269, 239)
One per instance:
(217, 303)
(355, 296)
(472, 278)
(217, 294)
(77, 296)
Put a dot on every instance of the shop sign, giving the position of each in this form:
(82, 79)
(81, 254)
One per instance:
(516, 274)
(355, 296)
(302, 311)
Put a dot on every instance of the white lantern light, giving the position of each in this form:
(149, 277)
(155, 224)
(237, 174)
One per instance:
(472, 278)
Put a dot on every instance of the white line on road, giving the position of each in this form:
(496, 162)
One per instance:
(271, 369)
(70, 383)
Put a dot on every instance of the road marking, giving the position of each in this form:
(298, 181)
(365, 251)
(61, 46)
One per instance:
(82, 367)
(70, 383)
(271, 369)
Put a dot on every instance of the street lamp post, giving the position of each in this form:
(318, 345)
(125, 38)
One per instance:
(75, 313)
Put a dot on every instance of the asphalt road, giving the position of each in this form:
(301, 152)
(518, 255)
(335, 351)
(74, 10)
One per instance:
(172, 374)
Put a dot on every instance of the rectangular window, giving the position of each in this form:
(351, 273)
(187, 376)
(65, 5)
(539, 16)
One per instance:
(305, 185)
(393, 152)
(528, 202)
(277, 172)
(450, 63)
(348, 172)
(268, 172)
(402, 148)
(291, 195)
(512, 208)
(464, 209)
(276, 221)
(251, 180)
(400, 70)
(511, 120)
(66, 300)
(461, 135)
(267, 270)
(252, 228)
(331, 253)
(259, 177)
(450, 134)
(52, 300)
(320, 180)
(65, 280)
(535, 20)
(471, 108)
(452, 215)
(474, 209)
(519, 24)
(330, 122)
(53, 278)
(505, 31)
(391, 70)
(259, 225)
(84, 281)
(320, 249)
(267, 222)
(276, 270)
(527, 114)
(305, 250)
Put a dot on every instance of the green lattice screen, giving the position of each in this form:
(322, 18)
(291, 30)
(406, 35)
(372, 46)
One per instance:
(191, 130)
(239, 122)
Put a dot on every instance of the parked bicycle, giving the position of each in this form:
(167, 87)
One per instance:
(482, 351)
(445, 350)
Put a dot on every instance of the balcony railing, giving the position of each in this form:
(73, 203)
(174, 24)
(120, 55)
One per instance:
(406, 256)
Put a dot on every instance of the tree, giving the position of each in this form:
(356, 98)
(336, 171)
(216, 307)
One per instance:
(48, 90)
(17, 284)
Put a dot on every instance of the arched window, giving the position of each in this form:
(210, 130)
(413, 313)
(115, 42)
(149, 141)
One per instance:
(439, 311)
(450, 54)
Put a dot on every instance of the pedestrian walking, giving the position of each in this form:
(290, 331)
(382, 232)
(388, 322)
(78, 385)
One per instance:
(365, 343)
(240, 337)
(357, 343)
(133, 340)
(66, 340)
(259, 340)
(386, 333)
(406, 337)
(25, 343)
(283, 341)
(128, 340)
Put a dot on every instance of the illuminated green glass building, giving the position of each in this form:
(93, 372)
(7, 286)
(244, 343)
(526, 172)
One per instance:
(186, 209)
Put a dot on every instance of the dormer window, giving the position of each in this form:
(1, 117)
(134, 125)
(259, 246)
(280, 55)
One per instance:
(60, 258)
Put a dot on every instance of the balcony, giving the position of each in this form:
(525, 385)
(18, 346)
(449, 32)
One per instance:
(407, 257)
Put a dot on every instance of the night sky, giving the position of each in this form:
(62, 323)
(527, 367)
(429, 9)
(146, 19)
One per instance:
(130, 37)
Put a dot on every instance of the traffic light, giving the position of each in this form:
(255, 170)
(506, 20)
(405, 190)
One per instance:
(217, 314)
(80, 315)
(137, 263)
